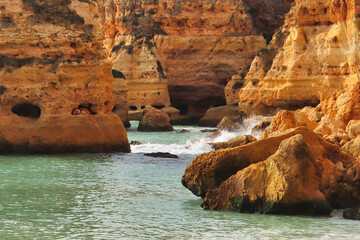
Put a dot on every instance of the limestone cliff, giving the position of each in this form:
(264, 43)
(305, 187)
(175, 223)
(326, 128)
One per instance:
(312, 56)
(55, 82)
(185, 51)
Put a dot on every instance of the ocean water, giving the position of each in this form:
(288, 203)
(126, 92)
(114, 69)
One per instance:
(131, 196)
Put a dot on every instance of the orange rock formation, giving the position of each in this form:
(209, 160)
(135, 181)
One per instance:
(311, 57)
(191, 48)
(55, 82)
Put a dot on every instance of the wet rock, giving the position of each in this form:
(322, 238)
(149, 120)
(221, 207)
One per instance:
(261, 127)
(184, 131)
(154, 120)
(353, 214)
(228, 125)
(235, 142)
(161, 155)
(135, 143)
(208, 130)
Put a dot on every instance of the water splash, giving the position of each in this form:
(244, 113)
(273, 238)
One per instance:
(198, 145)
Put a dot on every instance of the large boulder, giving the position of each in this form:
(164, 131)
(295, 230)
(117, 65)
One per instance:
(234, 142)
(154, 120)
(307, 160)
(286, 183)
(209, 170)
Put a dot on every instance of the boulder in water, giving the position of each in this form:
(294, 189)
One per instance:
(228, 125)
(285, 183)
(302, 172)
(154, 120)
(136, 143)
(184, 131)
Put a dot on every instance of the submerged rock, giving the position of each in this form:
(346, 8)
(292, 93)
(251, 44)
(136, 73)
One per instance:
(353, 214)
(154, 120)
(209, 130)
(184, 131)
(136, 143)
(161, 155)
(235, 142)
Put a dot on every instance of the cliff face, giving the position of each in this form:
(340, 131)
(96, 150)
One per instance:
(55, 81)
(313, 55)
(193, 47)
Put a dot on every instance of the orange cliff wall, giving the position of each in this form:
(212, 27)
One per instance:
(55, 82)
(313, 55)
(182, 53)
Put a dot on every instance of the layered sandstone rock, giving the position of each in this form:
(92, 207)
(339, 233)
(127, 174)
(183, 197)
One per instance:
(55, 81)
(311, 57)
(193, 47)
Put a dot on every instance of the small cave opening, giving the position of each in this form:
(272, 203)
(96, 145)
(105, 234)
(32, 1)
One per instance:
(133, 108)
(158, 106)
(26, 110)
(184, 109)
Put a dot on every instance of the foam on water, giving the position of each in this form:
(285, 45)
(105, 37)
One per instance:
(191, 147)
(192, 143)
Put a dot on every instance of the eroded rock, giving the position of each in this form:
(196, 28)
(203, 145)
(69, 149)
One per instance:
(154, 120)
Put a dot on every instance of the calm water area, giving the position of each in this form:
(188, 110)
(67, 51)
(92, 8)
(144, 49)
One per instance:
(131, 196)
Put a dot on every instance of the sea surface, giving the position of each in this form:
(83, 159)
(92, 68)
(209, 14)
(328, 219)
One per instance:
(131, 196)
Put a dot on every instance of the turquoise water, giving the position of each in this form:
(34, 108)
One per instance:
(130, 196)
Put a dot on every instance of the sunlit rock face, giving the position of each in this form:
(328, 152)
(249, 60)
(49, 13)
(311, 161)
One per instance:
(185, 52)
(55, 80)
(312, 56)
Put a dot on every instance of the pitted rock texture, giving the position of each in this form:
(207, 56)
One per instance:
(313, 55)
(55, 81)
(186, 50)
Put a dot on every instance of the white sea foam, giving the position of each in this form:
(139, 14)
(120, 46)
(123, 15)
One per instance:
(200, 145)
